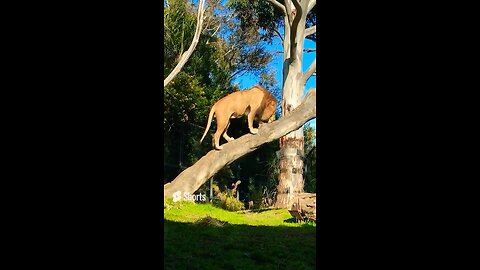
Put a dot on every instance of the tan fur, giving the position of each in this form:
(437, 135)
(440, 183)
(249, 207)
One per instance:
(255, 103)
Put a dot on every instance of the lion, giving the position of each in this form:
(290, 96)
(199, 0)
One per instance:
(256, 103)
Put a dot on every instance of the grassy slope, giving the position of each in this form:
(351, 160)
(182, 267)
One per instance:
(250, 240)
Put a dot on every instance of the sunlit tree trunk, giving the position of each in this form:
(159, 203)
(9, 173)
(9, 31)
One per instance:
(290, 179)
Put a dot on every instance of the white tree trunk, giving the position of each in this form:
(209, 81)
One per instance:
(291, 179)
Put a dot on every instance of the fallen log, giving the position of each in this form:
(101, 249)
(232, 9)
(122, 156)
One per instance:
(304, 206)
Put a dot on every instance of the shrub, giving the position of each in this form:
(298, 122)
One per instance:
(226, 201)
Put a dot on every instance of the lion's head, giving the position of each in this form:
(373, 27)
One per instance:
(268, 114)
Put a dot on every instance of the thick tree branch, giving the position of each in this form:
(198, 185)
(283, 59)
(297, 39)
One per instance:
(298, 6)
(310, 31)
(193, 177)
(296, 31)
(189, 52)
(288, 6)
(278, 5)
(311, 4)
(311, 69)
(278, 34)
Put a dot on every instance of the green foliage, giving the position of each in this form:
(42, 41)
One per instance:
(179, 28)
(310, 174)
(230, 203)
(226, 200)
(260, 16)
(257, 16)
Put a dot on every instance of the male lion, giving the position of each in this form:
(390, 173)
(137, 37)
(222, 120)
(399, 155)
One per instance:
(256, 103)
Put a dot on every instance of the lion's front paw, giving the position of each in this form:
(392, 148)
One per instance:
(254, 130)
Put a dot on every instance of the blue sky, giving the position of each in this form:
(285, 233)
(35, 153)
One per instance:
(248, 80)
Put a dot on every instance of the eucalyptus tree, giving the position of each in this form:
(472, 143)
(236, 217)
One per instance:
(297, 20)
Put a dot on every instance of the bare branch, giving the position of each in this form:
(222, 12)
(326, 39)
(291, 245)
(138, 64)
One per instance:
(310, 31)
(311, 69)
(307, 50)
(311, 4)
(230, 50)
(214, 33)
(278, 34)
(189, 52)
(278, 5)
(243, 71)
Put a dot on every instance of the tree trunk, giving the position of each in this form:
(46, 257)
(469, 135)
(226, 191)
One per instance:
(290, 179)
(193, 177)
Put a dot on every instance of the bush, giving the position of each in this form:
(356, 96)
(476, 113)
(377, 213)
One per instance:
(232, 204)
(228, 202)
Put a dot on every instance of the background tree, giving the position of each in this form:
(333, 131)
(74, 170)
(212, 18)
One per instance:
(183, 58)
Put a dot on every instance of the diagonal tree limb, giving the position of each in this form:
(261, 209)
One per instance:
(189, 52)
(311, 69)
(311, 4)
(192, 178)
(310, 31)
(278, 34)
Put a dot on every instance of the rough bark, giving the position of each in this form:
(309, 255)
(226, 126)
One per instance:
(304, 206)
(193, 177)
(188, 53)
(291, 180)
(306, 202)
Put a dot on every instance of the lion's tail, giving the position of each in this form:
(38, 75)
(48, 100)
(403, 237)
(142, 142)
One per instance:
(210, 116)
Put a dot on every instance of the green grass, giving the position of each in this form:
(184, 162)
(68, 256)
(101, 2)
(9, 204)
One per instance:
(201, 236)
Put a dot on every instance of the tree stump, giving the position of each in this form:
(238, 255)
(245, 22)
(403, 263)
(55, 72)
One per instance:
(304, 206)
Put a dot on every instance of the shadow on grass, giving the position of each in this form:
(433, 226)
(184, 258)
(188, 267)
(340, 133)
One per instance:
(262, 210)
(302, 223)
(231, 246)
(290, 220)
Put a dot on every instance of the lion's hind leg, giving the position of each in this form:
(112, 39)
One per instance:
(225, 135)
(222, 125)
